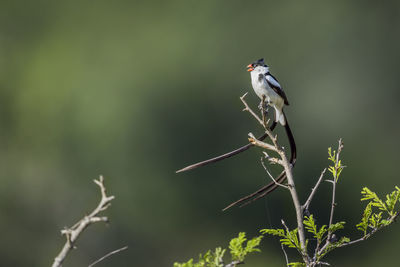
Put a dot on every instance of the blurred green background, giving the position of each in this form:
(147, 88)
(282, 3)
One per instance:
(135, 90)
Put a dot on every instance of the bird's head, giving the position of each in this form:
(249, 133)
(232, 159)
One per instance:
(259, 64)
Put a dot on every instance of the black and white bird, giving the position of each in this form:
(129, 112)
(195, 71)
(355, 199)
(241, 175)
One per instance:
(265, 84)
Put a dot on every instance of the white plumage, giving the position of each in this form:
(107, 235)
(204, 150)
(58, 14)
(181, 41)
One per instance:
(261, 81)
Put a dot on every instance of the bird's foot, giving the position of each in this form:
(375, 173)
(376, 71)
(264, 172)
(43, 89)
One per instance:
(265, 108)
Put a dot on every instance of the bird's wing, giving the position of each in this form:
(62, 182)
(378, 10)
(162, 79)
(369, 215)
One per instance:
(274, 84)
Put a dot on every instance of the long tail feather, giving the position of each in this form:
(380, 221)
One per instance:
(226, 155)
(265, 190)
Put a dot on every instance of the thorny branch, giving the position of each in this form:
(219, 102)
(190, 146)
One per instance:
(75, 231)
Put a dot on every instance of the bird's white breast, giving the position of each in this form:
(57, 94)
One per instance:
(261, 88)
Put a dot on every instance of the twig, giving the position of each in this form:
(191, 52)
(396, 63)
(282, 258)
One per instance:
(234, 263)
(253, 140)
(108, 255)
(391, 219)
(308, 202)
(286, 257)
(247, 108)
(335, 178)
(270, 176)
(296, 202)
(231, 153)
(288, 170)
(74, 232)
(322, 263)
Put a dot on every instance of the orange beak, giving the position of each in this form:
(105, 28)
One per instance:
(250, 67)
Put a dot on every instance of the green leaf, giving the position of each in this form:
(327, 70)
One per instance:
(322, 232)
(186, 264)
(310, 226)
(209, 259)
(332, 246)
(337, 167)
(375, 220)
(297, 264)
(252, 245)
(363, 225)
(289, 238)
(215, 258)
(332, 155)
(385, 222)
(391, 200)
(274, 232)
(239, 252)
(336, 226)
(236, 246)
(375, 200)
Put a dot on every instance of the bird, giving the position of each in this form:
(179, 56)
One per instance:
(255, 67)
(266, 85)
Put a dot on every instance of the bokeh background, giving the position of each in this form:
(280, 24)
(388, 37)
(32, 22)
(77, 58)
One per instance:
(135, 90)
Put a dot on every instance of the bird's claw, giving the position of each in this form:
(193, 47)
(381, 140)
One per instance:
(266, 107)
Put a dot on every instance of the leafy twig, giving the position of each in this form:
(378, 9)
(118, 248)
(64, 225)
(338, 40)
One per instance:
(336, 170)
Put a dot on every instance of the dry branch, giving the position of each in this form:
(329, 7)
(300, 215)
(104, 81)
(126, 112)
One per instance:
(308, 202)
(108, 255)
(285, 163)
(75, 231)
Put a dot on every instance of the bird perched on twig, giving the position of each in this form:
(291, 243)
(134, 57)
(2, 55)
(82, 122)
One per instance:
(265, 84)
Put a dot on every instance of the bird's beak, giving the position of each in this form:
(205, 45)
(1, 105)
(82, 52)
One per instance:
(250, 67)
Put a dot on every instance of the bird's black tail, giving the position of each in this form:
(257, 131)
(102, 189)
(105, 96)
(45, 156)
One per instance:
(279, 180)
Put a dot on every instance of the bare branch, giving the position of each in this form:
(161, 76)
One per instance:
(270, 176)
(247, 108)
(74, 232)
(286, 257)
(284, 225)
(288, 170)
(254, 141)
(308, 202)
(108, 255)
(234, 152)
(234, 263)
(322, 263)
